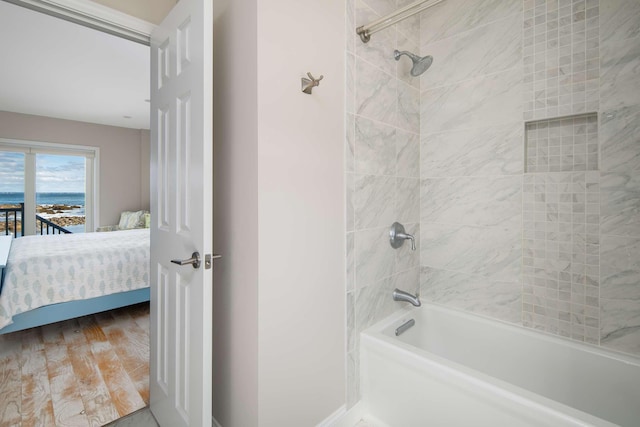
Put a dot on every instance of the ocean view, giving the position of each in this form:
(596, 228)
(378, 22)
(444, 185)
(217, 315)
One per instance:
(64, 209)
(75, 199)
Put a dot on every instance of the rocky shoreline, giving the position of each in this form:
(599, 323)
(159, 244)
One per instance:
(48, 212)
(64, 221)
(55, 209)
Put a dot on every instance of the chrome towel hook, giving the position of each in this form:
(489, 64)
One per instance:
(309, 83)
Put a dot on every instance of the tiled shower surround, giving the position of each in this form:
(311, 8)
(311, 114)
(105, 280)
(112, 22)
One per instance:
(561, 254)
(561, 57)
(569, 144)
(382, 165)
(561, 228)
(513, 223)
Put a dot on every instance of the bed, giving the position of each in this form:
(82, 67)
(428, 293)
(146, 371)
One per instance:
(58, 277)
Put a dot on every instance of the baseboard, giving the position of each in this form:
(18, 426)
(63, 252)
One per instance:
(340, 418)
(344, 418)
(333, 418)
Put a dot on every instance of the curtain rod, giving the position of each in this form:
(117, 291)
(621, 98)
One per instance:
(365, 31)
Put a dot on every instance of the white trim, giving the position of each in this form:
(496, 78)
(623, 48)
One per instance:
(344, 418)
(90, 189)
(96, 193)
(29, 219)
(41, 147)
(94, 15)
(332, 419)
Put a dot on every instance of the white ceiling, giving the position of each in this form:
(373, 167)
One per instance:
(50, 67)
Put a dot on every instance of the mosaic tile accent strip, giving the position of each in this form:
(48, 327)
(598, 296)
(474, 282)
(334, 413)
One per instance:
(561, 254)
(561, 61)
(562, 145)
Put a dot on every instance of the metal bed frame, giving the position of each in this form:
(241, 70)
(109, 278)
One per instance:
(72, 309)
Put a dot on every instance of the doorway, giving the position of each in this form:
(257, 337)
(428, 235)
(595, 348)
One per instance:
(182, 103)
(41, 100)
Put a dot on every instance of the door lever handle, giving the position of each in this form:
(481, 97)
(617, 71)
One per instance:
(194, 260)
(208, 258)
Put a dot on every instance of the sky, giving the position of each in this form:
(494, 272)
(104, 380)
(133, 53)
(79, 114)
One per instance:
(54, 174)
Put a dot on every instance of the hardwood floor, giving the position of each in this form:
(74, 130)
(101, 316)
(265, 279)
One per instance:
(82, 372)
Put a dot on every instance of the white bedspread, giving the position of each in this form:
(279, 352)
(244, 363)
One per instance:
(43, 270)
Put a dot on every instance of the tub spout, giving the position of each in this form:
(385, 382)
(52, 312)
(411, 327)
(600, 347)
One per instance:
(399, 295)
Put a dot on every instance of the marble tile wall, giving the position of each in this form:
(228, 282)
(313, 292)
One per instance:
(561, 236)
(619, 138)
(382, 164)
(544, 235)
(560, 57)
(569, 144)
(472, 157)
(561, 254)
(446, 155)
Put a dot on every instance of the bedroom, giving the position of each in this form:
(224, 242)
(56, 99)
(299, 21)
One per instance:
(65, 113)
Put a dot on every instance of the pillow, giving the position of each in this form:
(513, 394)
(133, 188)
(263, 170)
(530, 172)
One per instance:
(107, 228)
(147, 220)
(129, 220)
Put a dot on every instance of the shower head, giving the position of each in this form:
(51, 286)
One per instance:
(420, 64)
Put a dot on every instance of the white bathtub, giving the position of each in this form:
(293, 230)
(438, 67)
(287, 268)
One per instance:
(457, 369)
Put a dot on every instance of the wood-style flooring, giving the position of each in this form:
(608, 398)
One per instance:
(82, 372)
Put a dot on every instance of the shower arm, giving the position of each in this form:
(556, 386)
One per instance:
(365, 31)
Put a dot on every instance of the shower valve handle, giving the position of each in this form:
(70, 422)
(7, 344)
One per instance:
(397, 236)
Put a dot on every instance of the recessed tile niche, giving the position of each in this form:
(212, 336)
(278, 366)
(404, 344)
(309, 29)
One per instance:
(561, 219)
(562, 145)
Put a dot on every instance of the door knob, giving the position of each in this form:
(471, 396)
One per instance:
(194, 260)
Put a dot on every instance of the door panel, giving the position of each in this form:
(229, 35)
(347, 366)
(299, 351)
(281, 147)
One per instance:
(182, 182)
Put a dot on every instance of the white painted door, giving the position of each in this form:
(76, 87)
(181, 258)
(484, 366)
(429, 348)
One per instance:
(181, 199)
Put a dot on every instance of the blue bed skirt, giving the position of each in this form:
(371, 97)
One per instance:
(72, 309)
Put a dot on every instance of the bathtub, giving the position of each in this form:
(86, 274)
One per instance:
(457, 369)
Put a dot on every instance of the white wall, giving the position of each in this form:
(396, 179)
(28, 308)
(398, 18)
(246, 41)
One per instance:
(122, 184)
(279, 345)
(145, 171)
(301, 212)
(235, 276)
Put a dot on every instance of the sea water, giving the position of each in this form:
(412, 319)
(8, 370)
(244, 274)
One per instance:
(72, 199)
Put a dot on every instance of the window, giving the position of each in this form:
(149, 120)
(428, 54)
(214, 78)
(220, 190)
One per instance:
(60, 191)
(56, 182)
